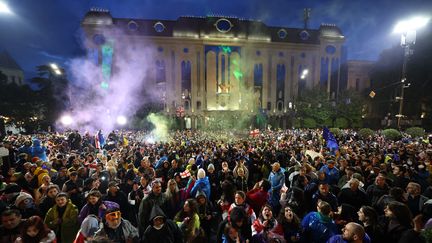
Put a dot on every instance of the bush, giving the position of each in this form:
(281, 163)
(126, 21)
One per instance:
(356, 123)
(336, 131)
(341, 122)
(296, 123)
(415, 132)
(309, 123)
(328, 122)
(392, 134)
(366, 132)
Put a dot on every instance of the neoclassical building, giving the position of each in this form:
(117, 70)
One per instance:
(223, 63)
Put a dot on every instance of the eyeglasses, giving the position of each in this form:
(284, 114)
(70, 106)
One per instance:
(113, 215)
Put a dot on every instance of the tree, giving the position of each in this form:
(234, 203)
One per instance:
(52, 90)
(19, 104)
(316, 105)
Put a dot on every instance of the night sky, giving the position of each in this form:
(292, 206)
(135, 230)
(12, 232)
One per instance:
(44, 31)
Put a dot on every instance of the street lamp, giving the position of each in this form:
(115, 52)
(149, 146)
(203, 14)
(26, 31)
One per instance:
(55, 69)
(4, 8)
(407, 29)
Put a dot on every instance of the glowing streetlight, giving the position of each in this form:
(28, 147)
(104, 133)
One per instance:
(304, 73)
(66, 120)
(4, 8)
(412, 24)
(121, 120)
(55, 69)
(407, 29)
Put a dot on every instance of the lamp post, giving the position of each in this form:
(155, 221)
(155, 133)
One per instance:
(4, 8)
(408, 30)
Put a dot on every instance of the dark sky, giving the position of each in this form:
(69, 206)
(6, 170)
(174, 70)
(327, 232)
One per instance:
(44, 31)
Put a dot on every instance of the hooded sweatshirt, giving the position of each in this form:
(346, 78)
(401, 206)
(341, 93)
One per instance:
(169, 233)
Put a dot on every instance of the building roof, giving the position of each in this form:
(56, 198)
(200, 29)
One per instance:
(6, 61)
(212, 26)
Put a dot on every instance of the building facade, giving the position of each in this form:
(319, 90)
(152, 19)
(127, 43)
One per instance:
(359, 75)
(12, 71)
(219, 63)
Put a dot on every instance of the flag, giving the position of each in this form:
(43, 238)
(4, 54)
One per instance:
(254, 133)
(185, 174)
(332, 144)
(99, 140)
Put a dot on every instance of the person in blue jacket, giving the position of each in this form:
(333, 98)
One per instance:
(332, 173)
(277, 180)
(318, 226)
(38, 150)
(201, 184)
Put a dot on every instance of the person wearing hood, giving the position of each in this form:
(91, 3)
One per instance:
(201, 184)
(161, 229)
(38, 150)
(26, 205)
(117, 229)
(62, 218)
(206, 212)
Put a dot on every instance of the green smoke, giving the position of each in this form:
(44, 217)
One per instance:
(161, 127)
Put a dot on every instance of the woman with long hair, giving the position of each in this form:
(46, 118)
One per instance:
(35, 231)
(369, 218)
(174, 199)
(288, 224)
(400, 220)
(188, 220)
(263, 227)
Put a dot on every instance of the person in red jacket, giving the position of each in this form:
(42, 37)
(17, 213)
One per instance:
(258, 196)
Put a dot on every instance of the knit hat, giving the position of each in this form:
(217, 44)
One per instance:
(21, 197)
(210, 167)
(201, 174)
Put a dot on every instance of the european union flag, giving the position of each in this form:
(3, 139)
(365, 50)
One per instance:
(332, 144)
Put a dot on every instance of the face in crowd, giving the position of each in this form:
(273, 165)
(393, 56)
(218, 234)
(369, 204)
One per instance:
(11, 222)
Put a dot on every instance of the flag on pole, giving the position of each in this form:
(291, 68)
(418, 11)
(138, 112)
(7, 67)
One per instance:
(332, 144)
(99, 140)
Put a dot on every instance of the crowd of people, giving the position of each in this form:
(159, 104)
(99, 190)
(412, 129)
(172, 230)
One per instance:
(201, 186)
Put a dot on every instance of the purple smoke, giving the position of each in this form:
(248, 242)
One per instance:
(130, 86)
